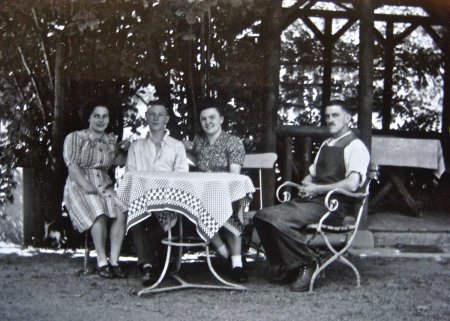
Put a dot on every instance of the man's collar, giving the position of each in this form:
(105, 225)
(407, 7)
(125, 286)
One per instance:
(343, 135)
(333, 140)
(166, 134)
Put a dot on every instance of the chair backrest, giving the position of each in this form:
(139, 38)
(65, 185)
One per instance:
(372, 174)
(372, 171)
(260, 162)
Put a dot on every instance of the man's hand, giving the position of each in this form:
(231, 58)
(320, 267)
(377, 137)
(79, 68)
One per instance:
(124, 145)
(188, 145)
(308, 190)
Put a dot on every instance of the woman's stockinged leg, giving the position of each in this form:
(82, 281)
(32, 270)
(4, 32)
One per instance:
(234, 243)
(117, 233)
(221, 248)
(99, 233)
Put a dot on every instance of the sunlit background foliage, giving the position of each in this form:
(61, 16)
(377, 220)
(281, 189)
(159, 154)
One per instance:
(126, 53)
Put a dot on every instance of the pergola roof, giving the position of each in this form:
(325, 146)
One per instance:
(437, 9)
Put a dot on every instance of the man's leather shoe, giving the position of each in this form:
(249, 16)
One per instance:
(105, 272)
(150, 276)
(118, 272)
(285, 277)
(304, 278)
(239, 275)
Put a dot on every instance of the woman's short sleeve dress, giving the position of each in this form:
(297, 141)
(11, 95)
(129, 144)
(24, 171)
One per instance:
(226, 150)
(94, 156)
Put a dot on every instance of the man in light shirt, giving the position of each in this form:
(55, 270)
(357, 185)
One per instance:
(162, 153)
(341, 162)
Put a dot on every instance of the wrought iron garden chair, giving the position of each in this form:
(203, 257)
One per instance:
(332, 252)
(257, 162)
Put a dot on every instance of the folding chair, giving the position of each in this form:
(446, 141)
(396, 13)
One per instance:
(335, 252)
(257, 162)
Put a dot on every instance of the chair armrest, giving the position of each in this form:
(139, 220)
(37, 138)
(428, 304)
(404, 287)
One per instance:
(286, 195)
(333, 204)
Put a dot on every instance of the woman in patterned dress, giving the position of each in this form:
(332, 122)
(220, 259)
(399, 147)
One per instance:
(218, 151)
(89, 195)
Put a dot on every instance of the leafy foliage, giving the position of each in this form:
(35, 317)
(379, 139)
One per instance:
(301, 77)
(90, 51)
(7, 179)
(417, 78)
(106, 52)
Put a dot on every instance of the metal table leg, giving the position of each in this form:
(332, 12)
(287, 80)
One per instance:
(180, 244)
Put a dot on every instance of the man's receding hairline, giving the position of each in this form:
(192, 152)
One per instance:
(155, 105)
(343, 108)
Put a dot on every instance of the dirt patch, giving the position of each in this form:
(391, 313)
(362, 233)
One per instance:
(49, 287)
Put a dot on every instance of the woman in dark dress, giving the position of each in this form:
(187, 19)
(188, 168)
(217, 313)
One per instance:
(218, 151)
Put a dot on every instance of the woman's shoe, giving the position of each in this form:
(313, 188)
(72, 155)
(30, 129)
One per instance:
(105, 272)
(118, 272)
(239, 275)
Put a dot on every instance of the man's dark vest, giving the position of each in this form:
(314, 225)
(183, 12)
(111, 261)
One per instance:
(330, 166)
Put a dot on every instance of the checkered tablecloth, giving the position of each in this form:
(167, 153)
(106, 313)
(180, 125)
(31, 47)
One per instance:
(207, 199)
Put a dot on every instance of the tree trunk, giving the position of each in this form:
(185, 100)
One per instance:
(61, 111)
(33, 230)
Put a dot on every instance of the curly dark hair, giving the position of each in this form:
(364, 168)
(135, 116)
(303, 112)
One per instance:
(87, 111)
(212, 103)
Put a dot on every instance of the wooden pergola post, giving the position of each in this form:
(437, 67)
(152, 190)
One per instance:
(366, 54)
(327, 64)
(388, 71)
(272, 48)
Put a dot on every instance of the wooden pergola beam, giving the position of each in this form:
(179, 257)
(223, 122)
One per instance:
(300, 13)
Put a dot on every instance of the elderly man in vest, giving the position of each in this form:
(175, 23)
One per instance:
(341, 162)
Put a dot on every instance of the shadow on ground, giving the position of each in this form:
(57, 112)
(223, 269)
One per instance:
(50, 287)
